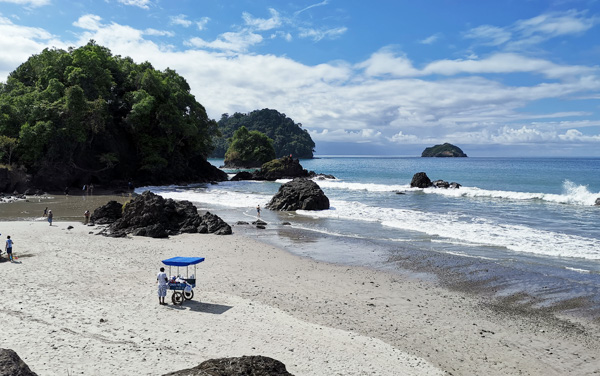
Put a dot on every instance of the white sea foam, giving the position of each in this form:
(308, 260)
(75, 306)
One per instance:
(227, 198)
(475, 231)
(572, 194)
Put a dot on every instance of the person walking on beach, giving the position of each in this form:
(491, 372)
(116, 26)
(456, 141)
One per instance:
(162, 279)
(258, 210)
(86, 215)
(50, 217)
(8, 248)
(46, 212)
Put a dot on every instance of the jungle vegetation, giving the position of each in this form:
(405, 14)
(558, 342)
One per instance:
(75, 116)
(288, 137)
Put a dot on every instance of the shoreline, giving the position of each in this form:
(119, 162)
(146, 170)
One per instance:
(317, 318)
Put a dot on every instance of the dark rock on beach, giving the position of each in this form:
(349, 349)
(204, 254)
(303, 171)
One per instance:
(213, 224)
(299, 194)
(598, 201)
(154, 216)
(11, 364)
(246, 365)
(107, 214)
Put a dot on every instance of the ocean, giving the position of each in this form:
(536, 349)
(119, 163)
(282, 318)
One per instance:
(525, 227)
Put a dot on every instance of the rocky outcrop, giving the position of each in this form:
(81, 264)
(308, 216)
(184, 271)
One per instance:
(421, 180)
(211, 223)
(12, 365)
(299, 194)
(154, 216)
(598, 201)
(107, 213)
(282, 168)
(14, 180)
(445, 150)
(245, 365)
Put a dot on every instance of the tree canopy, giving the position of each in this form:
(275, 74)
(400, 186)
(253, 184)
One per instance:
(288, 137)
(89, 114)
(249, 149)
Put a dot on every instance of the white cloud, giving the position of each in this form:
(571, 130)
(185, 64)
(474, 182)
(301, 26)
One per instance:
(202, 23)
(525, 33)
(318, 35)
(385, 99)
(155, 32)
(431, 39)
(489, 35)
(31, 3)
(322, 3)
(144, 4)
(18, 43)
(89, 22)
(180, 20)
(233, 42)
(262, 24)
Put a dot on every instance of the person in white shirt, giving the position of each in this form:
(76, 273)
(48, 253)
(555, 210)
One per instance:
(162, 279)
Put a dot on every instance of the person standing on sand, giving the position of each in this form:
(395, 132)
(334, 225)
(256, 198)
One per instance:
(50, 217)
(46, 212)
(86, 215)
(8, 248)
(258, 210)
(162, 279)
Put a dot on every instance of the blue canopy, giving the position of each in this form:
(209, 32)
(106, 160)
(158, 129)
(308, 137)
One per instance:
(183, 261)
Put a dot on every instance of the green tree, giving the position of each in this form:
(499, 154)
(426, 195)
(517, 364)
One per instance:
(7, 146)
(249, 149)
(288, 137)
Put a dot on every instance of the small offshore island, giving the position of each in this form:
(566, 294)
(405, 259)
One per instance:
(444, 151)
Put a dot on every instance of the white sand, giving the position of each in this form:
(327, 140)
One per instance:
(77, 303)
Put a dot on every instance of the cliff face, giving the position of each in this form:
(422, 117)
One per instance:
(445, 150)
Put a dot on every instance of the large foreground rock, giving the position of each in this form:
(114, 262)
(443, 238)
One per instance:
(299, 194)
(242, 366)
(12, 365)
(154, 216)
(107, 214)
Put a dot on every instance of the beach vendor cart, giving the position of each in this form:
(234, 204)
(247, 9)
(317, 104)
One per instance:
(182, 287)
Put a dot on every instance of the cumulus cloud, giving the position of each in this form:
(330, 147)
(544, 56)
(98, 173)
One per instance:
(384, 99)
(89, 22)
(144, 4)
(160, 33)
(180, 20)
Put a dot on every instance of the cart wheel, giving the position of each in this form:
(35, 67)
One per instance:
(177, 298)
(188, 295)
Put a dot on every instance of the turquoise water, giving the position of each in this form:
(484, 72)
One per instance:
(532, 222)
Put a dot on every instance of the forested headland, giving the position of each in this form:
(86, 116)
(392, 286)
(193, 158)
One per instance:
(85, 116)
(288, 137)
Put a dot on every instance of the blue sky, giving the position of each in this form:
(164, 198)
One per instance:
(497, 78)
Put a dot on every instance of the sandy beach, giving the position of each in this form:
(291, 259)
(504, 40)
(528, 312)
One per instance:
(79, 303)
